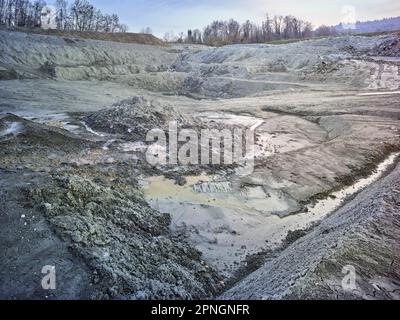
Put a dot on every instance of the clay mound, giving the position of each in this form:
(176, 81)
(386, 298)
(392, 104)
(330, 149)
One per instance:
(133, 118)
(389, 48)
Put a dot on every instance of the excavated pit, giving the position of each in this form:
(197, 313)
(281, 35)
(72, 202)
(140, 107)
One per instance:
(73, 124)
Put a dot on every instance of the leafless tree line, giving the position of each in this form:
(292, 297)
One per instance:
(80, 15)
(228, 32)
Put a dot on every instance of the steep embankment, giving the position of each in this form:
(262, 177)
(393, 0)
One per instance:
(123, 37)
(199, 71)
(24, 55)
(242, 70)
(363, 234)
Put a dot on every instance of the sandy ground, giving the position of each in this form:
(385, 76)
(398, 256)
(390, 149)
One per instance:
(326, 111)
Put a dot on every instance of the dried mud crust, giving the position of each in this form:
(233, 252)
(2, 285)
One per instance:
(127, 244)
(100, 214)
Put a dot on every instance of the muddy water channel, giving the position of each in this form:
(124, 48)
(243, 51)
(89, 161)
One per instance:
(227, 226)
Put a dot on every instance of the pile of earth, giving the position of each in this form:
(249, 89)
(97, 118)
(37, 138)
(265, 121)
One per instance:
(27, 143)
(126, 243)
(134, 118)
(388, 48)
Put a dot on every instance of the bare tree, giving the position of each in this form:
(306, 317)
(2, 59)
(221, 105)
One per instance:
(81, 15)
(197, 37)
(168, 36)
(123, 27)
(267, 29)
(277, 23)
(307, 30)
(324, 31)
(147, 30)
(233, 30)
(246, 31)
(189, 38)
(62, 13)
(225, 32)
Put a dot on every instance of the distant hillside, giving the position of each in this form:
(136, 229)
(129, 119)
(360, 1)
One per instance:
(123, 37)
(388, 24)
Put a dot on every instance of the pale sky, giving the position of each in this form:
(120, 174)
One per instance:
(179, 15)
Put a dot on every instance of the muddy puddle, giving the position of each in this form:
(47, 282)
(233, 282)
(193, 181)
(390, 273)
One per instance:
(226, 225)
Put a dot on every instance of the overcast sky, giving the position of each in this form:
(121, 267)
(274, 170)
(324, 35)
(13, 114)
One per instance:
(180, 15)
